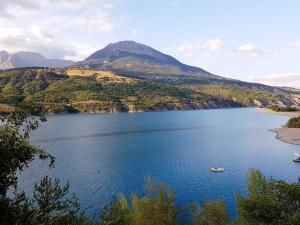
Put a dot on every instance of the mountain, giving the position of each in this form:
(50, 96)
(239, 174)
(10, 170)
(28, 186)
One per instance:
(143, 62)
(127, 76)
(29, 59)
(131, 49)
(135, 59)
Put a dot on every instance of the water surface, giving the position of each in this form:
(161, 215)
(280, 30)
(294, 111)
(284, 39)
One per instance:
(103, 155)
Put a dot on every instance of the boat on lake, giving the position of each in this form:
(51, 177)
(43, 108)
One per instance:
(297, 159)
(217, 169)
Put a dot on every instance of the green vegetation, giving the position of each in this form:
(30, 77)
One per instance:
(15, 150)
(294, 122)
(283, 109)
(53, 91)
(244, 96)
(269, 201)
(212, 213)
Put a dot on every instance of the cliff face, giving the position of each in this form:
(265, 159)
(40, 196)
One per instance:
(100, 107)
(104, 107)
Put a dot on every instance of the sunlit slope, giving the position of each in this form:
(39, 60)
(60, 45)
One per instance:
(85, 90)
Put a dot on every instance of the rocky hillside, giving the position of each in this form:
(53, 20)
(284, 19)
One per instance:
(29, 59)
(91, 91)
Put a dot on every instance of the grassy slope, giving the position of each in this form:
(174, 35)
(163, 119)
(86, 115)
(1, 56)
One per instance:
(101, 91)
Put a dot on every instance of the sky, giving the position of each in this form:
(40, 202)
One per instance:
(257, 40)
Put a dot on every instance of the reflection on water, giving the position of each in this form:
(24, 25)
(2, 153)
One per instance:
(117, 133)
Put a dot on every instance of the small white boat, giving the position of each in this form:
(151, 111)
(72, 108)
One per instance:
(297, 159)
(217, 169)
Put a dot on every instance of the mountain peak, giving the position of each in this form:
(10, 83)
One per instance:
(135, 59)
(3, 52)
(3, 55)
(122, 49)
(124, 43)
(29, 59)
(130, 46)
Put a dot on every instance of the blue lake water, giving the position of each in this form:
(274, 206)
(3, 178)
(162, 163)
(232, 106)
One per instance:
(103, 155)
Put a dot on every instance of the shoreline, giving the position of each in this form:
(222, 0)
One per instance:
(285, 134)
(271, 112)
(288, 135)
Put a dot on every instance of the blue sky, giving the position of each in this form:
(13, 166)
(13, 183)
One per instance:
(257, 40)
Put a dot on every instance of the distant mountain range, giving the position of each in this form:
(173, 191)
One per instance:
(29, 59)
(135, 60)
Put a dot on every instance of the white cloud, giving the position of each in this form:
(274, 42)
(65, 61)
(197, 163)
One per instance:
(6, 7)
(297, 44)
(214, 44)
(91, 23)
(85, 14)
(42, 34)
(176, 3)
(37, 40)
(284, 79)
(56, 28)
(210, 45)
(199, 53)
(253, 51)
(133, 32)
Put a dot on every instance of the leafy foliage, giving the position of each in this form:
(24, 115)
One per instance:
(156, 208)
(283, 109)
(244, 96)
(294, 122)
(269, 201)
(50, 204)
(15, 149)
(212, 213)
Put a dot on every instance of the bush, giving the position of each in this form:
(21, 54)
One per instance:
(269, 202)
(294, 122)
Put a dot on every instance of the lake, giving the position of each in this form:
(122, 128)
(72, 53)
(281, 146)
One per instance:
(104, 154)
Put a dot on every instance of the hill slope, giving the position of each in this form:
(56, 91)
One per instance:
(58, 90)
(29, 59)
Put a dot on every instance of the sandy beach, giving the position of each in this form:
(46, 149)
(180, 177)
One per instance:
(288, 135)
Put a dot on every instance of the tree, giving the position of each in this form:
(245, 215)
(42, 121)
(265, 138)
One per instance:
(269, 201)
(31, 88)
(117, 213)
(50, 204)
(212, 213)
(11, 94)
(294, 122)
(15, 149)
(157, 207)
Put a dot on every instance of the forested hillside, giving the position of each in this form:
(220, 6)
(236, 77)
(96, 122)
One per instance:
(58, 90)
